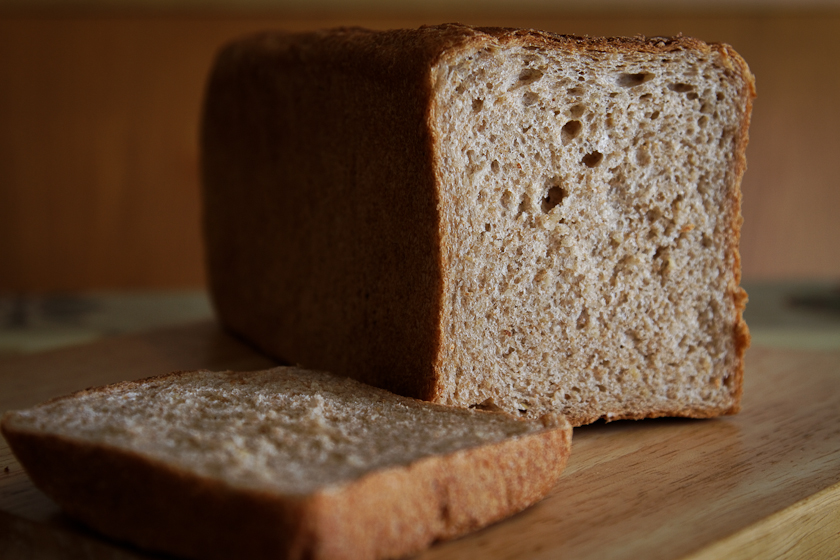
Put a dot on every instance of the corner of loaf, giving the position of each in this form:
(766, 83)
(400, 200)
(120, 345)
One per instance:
(486, 216)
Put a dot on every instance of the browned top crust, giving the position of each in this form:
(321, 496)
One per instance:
(403, 52)
(431, 40)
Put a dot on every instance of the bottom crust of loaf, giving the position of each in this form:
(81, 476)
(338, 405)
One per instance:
(385, 514)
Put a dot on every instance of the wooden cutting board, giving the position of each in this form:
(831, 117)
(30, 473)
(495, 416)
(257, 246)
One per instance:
(764, 483)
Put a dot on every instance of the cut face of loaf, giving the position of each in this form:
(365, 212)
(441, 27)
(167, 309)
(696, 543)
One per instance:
(486, 217)
(282, 463)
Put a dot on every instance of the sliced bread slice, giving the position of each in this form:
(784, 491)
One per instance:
(282, 463)
(486, 216)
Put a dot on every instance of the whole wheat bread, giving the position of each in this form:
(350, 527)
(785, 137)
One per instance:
(486, 217)
(281, 463)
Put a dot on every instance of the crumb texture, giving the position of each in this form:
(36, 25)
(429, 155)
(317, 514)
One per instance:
(592, 207)
(283, 430)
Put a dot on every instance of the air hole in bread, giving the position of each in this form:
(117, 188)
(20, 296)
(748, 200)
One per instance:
(494, 167)
(583, 319)
(633, 80)
(530, 98)
(524, 204)
(529, 76)
(681, 88)
(554, 197)
(659, 252)
(592, 159)
(576, 111)
(725, 137)
(507, 199)
(570, 131)
(477, 104)
(487, 404)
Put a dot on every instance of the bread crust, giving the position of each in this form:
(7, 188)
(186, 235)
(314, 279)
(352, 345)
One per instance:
(374, 309)
(365, 309)
(387, 513)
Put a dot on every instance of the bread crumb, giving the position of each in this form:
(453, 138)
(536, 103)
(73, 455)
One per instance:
(286, 429)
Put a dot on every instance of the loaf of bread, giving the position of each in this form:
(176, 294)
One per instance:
(282, 463)
(485, 217)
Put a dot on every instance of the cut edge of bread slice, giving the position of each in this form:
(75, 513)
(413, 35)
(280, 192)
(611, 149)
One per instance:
(610, 169)
(389, 511)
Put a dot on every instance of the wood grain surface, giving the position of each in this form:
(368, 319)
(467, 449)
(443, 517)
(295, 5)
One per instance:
(764, 483)
(100, 115)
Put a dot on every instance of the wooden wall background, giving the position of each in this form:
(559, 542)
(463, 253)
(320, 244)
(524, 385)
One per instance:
(99, 118)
